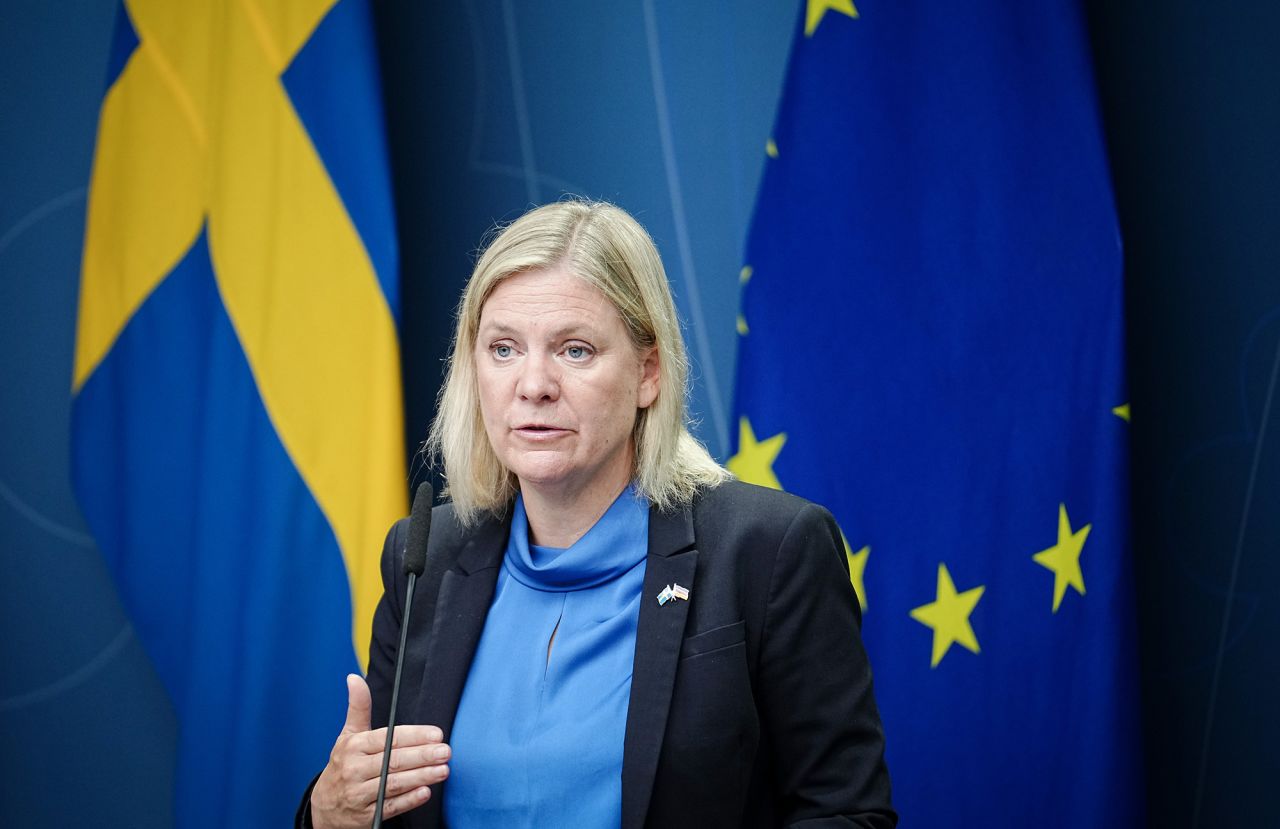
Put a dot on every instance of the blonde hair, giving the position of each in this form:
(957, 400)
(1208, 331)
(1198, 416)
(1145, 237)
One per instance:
(609, 249)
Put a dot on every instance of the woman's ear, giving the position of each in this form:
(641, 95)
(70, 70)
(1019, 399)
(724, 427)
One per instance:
(650, 374)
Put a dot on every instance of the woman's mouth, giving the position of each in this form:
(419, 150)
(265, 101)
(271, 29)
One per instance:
(540, 431)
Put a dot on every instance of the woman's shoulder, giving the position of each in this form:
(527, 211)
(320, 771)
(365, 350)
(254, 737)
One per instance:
(756, 508)
(738, 495)
(752, 541)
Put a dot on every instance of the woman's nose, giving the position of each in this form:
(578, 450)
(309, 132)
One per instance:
(538, 380)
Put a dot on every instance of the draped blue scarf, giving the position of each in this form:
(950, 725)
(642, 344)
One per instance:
(537, 740)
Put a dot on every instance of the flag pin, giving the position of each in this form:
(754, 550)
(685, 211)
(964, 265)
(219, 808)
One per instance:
(673, 592)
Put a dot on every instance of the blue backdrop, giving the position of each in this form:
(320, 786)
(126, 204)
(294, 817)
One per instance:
(665, 107)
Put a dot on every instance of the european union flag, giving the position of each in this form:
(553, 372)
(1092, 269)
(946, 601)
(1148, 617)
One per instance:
(931, 345)
(237, 415)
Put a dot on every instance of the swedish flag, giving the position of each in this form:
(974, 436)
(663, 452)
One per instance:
(931, 345)
(237, 415)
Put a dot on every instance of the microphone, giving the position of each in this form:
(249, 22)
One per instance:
(415, 548)
(415, 561)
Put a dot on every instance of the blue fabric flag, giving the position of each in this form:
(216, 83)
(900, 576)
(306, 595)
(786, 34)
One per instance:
(238, 446)
(931, 345)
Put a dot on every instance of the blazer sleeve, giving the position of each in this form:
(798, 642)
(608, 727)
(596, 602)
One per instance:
(815, 684)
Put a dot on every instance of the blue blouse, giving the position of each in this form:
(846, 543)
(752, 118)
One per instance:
(537, 740)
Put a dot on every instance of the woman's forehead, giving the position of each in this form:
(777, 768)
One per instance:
(546, 294)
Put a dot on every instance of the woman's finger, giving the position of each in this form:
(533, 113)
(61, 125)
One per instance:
(418, 756)
(359, 767)
(401, 783)
(374, 742)
(402, 803)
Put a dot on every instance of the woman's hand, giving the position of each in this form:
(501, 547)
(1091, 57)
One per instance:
(345, 793)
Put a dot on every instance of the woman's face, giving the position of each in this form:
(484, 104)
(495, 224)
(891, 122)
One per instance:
(560, 383)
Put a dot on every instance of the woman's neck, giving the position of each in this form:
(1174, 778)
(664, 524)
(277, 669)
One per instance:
(559, 519)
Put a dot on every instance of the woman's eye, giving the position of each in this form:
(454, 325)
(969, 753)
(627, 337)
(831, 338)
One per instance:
(502, 352)
(577, 352)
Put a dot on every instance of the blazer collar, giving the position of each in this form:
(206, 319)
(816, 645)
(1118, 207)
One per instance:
(670, 532)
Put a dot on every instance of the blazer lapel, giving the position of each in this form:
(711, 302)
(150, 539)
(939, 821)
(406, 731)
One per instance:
(459, 611)
(461, 607)
(672, 560)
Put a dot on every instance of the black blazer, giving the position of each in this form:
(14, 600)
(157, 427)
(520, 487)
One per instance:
(751, 702)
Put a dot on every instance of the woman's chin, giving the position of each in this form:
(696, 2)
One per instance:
(553, 479)
(542, 476)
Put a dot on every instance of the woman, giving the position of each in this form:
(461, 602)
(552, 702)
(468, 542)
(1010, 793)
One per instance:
(610, 630)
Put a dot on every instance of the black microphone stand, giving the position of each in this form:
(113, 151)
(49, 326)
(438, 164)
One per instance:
(415, 556)
(395, 697)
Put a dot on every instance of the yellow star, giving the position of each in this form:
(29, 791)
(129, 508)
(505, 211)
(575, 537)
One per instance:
(948, 616)
(754, 461)
(857, 566)
(1063, 558)
(818, 8)
(1122, 412)
(770, 148)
